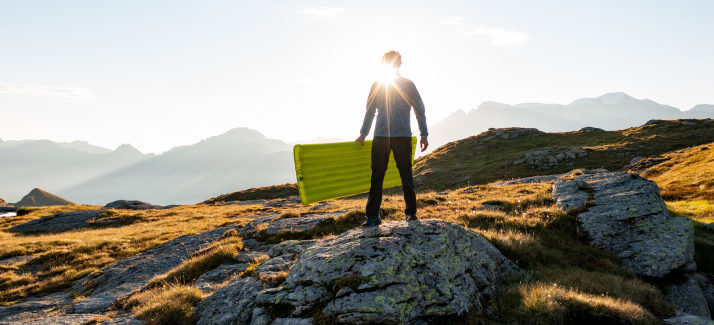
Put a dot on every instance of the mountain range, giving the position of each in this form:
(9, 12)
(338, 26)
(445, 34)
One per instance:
(243, 158)
(613, 111)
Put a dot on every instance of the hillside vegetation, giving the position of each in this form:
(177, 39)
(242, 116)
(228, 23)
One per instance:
(566, 279)
(492, 155)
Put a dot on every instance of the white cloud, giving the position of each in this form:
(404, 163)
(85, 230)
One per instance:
(69, 92)
(324, 12)
(497, 36)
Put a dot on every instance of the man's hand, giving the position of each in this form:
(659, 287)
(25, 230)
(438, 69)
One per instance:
(361, 139)
(424, 143)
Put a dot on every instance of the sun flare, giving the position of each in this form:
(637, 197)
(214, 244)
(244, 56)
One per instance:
(387, 74)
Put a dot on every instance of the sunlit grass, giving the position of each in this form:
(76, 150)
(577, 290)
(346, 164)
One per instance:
(61, 258)
(702, 212)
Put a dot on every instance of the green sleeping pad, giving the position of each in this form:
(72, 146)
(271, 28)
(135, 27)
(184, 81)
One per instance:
(333, 170)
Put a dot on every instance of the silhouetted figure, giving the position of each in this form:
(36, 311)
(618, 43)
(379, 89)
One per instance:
(392, 98)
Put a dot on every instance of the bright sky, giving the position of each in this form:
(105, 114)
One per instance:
(159, 74)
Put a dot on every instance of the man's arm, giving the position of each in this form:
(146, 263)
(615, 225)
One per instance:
(420, 113)
(369, 115)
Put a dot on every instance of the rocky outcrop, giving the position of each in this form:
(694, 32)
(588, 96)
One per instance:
(710, 227)
(212, 280)
(131, 205)
(6, 207)
(688, 297)
(120, 279)
(551, 158)
(591, 129)
(396, 273)
(511, 133)
(629, 217)
(302, 223)
(58, 221)
(706, 283)
(688, 320)
(548, 178)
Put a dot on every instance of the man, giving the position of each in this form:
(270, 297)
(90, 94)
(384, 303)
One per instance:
(392, 98)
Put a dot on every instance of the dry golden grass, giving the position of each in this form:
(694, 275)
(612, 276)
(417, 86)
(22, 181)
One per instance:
(64, 257)
(525, 226)
(687, 175)
(171, 304)
(221, 252)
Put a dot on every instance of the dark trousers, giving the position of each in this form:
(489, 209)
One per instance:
(402, 149)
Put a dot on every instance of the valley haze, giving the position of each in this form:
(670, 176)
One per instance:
(243, 158)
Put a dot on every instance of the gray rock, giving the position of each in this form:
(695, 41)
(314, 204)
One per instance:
(258, 224)
(323, 205)
(688, 297)
(131, 205)
(344, 291)
(293, 321)
(591, 129)
(250, 257)
(551, 158)
(302, 223)
(550, 178)
(58, 319)
(636, 160)
(211, 280)
(291, 247)
(260, 317)
(406, 270)
(231, 304)
(706, 283)
(688, 320)
(689, 123)
(34, 308)
(272, 267)
(59, 221)
(630, 218)
(120, 279)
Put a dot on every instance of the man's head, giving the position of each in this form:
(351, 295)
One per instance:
(392, 59)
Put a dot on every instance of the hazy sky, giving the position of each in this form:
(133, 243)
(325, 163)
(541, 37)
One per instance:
(159, 74)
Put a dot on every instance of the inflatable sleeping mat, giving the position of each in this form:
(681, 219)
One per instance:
(333, 170)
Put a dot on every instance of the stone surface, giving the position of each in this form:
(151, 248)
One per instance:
(551, 158)
(302, 223)
(323, 205)
(629, 218)
(250, 256)
(549, 178)
(59, 221)
(231, 304)
(591, 129)
(635, 160)
(688, 297)
(34, 308)
(213, 279)
(293, 321)
(291, 247)
(133, 273)
(706, 283)
(258, 224)
(273, 267)
(131, 205)
(688, 320)
(403, 271)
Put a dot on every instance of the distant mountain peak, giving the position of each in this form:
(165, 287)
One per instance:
(40, 198)
(126, 148)
(606, 99)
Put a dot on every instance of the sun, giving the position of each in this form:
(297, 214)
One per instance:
(387, 74)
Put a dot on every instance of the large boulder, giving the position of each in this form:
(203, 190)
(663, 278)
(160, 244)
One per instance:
(688, 297)
(627, 216)
(393, 274)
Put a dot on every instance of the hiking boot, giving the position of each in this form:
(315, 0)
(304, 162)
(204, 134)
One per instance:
(371, 222)
(411, 217)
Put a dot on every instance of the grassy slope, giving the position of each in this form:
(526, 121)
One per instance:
(266, 193)
(491, 160)
(566, 279)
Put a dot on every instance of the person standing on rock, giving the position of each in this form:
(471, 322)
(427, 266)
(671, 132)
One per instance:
(392, 98)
